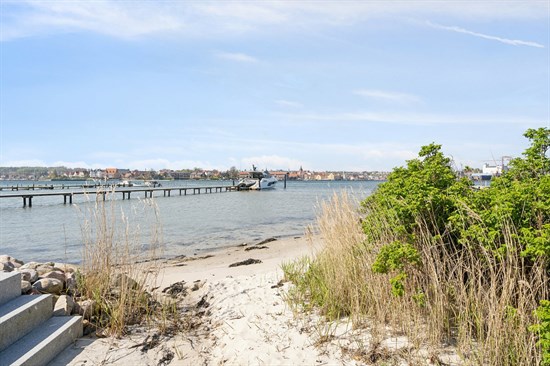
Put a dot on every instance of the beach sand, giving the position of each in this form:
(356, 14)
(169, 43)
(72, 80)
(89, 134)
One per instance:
(241, 319)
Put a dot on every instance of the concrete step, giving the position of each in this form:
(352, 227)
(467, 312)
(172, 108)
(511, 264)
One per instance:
(10, 286)
(44, 343)
(19, 316)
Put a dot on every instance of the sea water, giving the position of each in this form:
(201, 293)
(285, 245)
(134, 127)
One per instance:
(184, 225)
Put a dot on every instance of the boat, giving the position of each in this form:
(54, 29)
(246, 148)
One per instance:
(257, 180)
(152, 183)
(125, 183)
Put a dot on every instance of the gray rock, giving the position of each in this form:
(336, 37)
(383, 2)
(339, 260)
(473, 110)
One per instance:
(70, 283)
(66, 267)
(25, 287)
(48, 286)
(58, 275)
(31, 265)
(29, 274)
(5, 258)
(6, 266)
(86, 308)
(44, 268)
(63, 306)
(123, 281)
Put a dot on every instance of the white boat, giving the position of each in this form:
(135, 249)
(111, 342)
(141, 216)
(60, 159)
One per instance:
(152, 183)
(258, 180)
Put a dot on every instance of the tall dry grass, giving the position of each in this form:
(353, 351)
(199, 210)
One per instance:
(117, 264)
(478, 300)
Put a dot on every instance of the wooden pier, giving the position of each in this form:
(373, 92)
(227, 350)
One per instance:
(126, 192)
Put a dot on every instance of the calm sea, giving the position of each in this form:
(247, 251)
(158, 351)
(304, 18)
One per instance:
(186, 225)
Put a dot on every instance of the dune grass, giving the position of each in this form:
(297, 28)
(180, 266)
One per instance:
(117, 265)
(478, 300)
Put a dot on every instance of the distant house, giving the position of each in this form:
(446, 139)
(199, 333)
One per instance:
(111, 172)
(181, 175)
(279, 174)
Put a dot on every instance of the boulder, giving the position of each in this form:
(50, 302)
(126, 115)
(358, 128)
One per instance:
(86, 308)
(44, 268)
(29, 274)
(5, 258)
(31, 265)
(66, 267)
(25, 287)
(123, 281)
(6, 266)
(49, 286)
(70, 283)
(63, 306)
(58, 275)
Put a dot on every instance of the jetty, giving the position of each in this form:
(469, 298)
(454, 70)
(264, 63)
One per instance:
(102, 192)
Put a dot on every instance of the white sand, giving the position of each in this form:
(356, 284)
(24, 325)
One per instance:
(248, 322)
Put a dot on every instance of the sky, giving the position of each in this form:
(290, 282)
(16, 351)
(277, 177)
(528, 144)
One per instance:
(323, 85)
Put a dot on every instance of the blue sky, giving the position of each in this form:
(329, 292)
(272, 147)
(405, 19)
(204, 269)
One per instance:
(327, 85)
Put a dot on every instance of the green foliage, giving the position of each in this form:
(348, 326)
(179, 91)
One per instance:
(475, 261)
(542, 329)
(395, 257)
(427, 198)
(397, 284)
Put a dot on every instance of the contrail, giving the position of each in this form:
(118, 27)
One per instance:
(513, 42)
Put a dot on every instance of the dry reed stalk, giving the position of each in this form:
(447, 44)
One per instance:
(116, 265)
(481, 300)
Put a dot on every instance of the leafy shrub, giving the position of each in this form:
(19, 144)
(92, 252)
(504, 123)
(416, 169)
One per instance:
(473, 264)
(542, 329)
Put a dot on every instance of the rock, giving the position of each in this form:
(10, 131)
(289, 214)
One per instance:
(6, 266)
(58, 275)
(31, 265)
(49, 286)
(86, 308)
(25, 287)
(66, 267)
(13, 262)
(87, 327)
(122, 280)
(44, 268)
(29, 274)
(70, 283)
(63, 306)
(5, 258)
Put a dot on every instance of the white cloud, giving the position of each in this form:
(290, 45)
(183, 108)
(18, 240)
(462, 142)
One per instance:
(513, 42)
(130, 19)
(23, 162)
(239, 57)
(100, 16)
(387, 96)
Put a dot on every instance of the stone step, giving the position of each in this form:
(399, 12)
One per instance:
(44, 343)
(19, 316)
(10, 286)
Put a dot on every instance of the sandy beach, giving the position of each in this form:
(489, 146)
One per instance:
(240, 318)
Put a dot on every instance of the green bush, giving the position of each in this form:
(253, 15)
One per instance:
(473, 264)
(542, 329)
